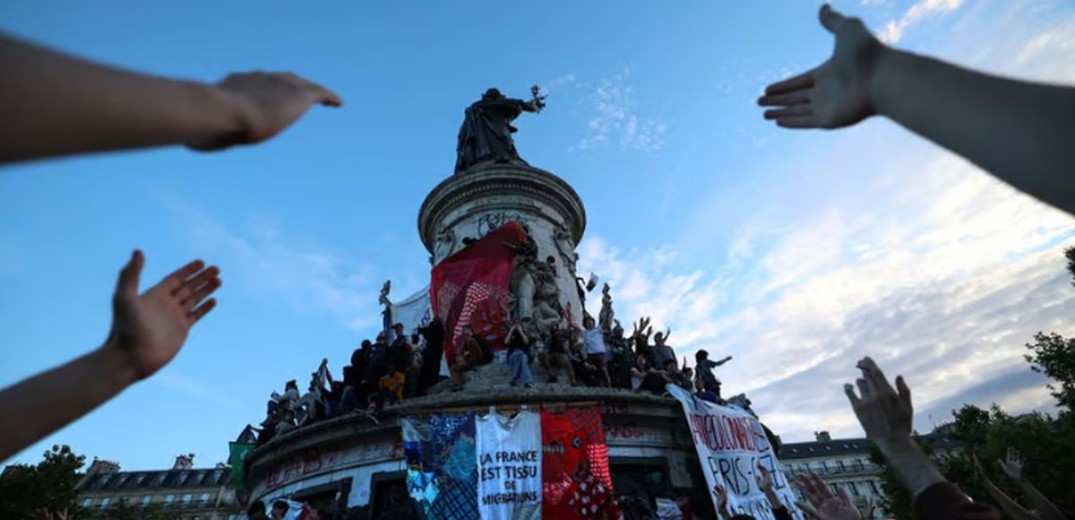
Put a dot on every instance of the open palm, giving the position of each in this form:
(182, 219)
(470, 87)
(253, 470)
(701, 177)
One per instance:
(150, 328)
(836, 93)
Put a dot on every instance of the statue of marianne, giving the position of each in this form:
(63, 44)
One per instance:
(486, 132)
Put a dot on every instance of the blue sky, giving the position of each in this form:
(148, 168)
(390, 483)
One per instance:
(795, 252)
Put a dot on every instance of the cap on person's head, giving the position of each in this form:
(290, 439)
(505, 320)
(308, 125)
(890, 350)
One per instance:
(366, 343)
(701, 354)
(258, 507)
(291, 384)
(380, 336)
(398, 326)
(280, 504)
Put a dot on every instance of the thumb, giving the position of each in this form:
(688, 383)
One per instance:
(128, 277)
(830, 19)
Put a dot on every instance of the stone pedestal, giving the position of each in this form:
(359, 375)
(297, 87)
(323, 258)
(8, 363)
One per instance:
(470, 204)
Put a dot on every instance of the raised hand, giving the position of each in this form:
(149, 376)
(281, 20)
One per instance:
(884, 413)
(836, 93)
(822, 503)
(1012, 465)
(149, 329)
(268, 103)
(764, 480)
(721, 494)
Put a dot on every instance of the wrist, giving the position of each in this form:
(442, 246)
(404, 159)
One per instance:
(883, 79)
(114, 365)
(225, 118)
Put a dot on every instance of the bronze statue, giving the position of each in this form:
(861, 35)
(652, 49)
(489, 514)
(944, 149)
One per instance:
(486, 132)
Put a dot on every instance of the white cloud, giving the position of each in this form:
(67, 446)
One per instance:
(307, 276)
(614, 120)
(893, 31)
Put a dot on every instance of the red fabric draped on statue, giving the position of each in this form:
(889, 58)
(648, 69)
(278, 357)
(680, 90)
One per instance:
(473, 287)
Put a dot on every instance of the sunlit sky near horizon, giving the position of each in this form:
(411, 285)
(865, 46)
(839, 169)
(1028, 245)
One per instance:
(795, 252)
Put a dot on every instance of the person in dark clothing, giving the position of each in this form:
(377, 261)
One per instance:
(378, 357)
(432, 355)
(256, 511)
(620, 358)
(704, 368)
(400, 353)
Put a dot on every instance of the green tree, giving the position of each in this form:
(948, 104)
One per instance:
(50, 484)
(1054, 356)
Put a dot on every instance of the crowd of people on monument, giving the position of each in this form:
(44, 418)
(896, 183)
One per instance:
(59, 105)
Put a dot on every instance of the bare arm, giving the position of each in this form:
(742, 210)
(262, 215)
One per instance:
(147, 332)
(1010, 507)
(1019, 131)
(55, 104)
(1013, 467)
(723, 361)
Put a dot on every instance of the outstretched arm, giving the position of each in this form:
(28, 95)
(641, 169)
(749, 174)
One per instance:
(147, 332)
(1013, 467)
(723, 361)
(55, 104)
(1010, 507)
(1019, 131)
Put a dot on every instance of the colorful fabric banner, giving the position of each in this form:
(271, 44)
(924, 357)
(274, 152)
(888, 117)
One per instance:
(576, 483)
(441, 471)
(509, 464)
(731, 443)
(473, 287)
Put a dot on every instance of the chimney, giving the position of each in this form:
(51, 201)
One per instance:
(822, 436)
(184, 462)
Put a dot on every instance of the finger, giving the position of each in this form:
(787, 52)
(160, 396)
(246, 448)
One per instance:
(904, 392)
(798, 122)
(324, 96)
(807, 509)
(800, 82)
(850, 391)
(176, 279)
(795, 97)
(830, 19)
(200, 312)
(875, 375)
(201, 293)
(822, 488)
(792, 111)
(183, 292)
(845, 497)
(864, 388)
(127, 285)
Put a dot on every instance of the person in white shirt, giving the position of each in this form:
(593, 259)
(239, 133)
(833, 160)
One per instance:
(596, 351)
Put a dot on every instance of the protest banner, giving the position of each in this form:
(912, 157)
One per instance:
(509, 464)
(731, 443)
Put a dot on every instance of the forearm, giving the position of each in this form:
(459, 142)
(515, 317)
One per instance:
(1009, 506)
(46, 402)
(912, 467)
(1046, 509)
(1021, 132)
(55, 104)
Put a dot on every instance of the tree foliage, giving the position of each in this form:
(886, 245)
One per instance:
(1054, 356)
(50, 484)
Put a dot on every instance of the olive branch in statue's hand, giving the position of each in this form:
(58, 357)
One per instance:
(538, 101)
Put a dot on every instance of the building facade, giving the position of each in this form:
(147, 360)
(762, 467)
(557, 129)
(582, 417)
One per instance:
(845, 463)
(181, 492)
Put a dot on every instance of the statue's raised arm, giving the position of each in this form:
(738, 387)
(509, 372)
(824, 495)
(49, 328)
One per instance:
(486, 132)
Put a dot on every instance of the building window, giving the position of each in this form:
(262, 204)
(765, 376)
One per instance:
(840, 464)
(854, 488)
(859, 465)
(168, 499)
(146, 499)
(824, 467)
(87, 502)
(105, 501)
(186, 498)
(873, 487)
